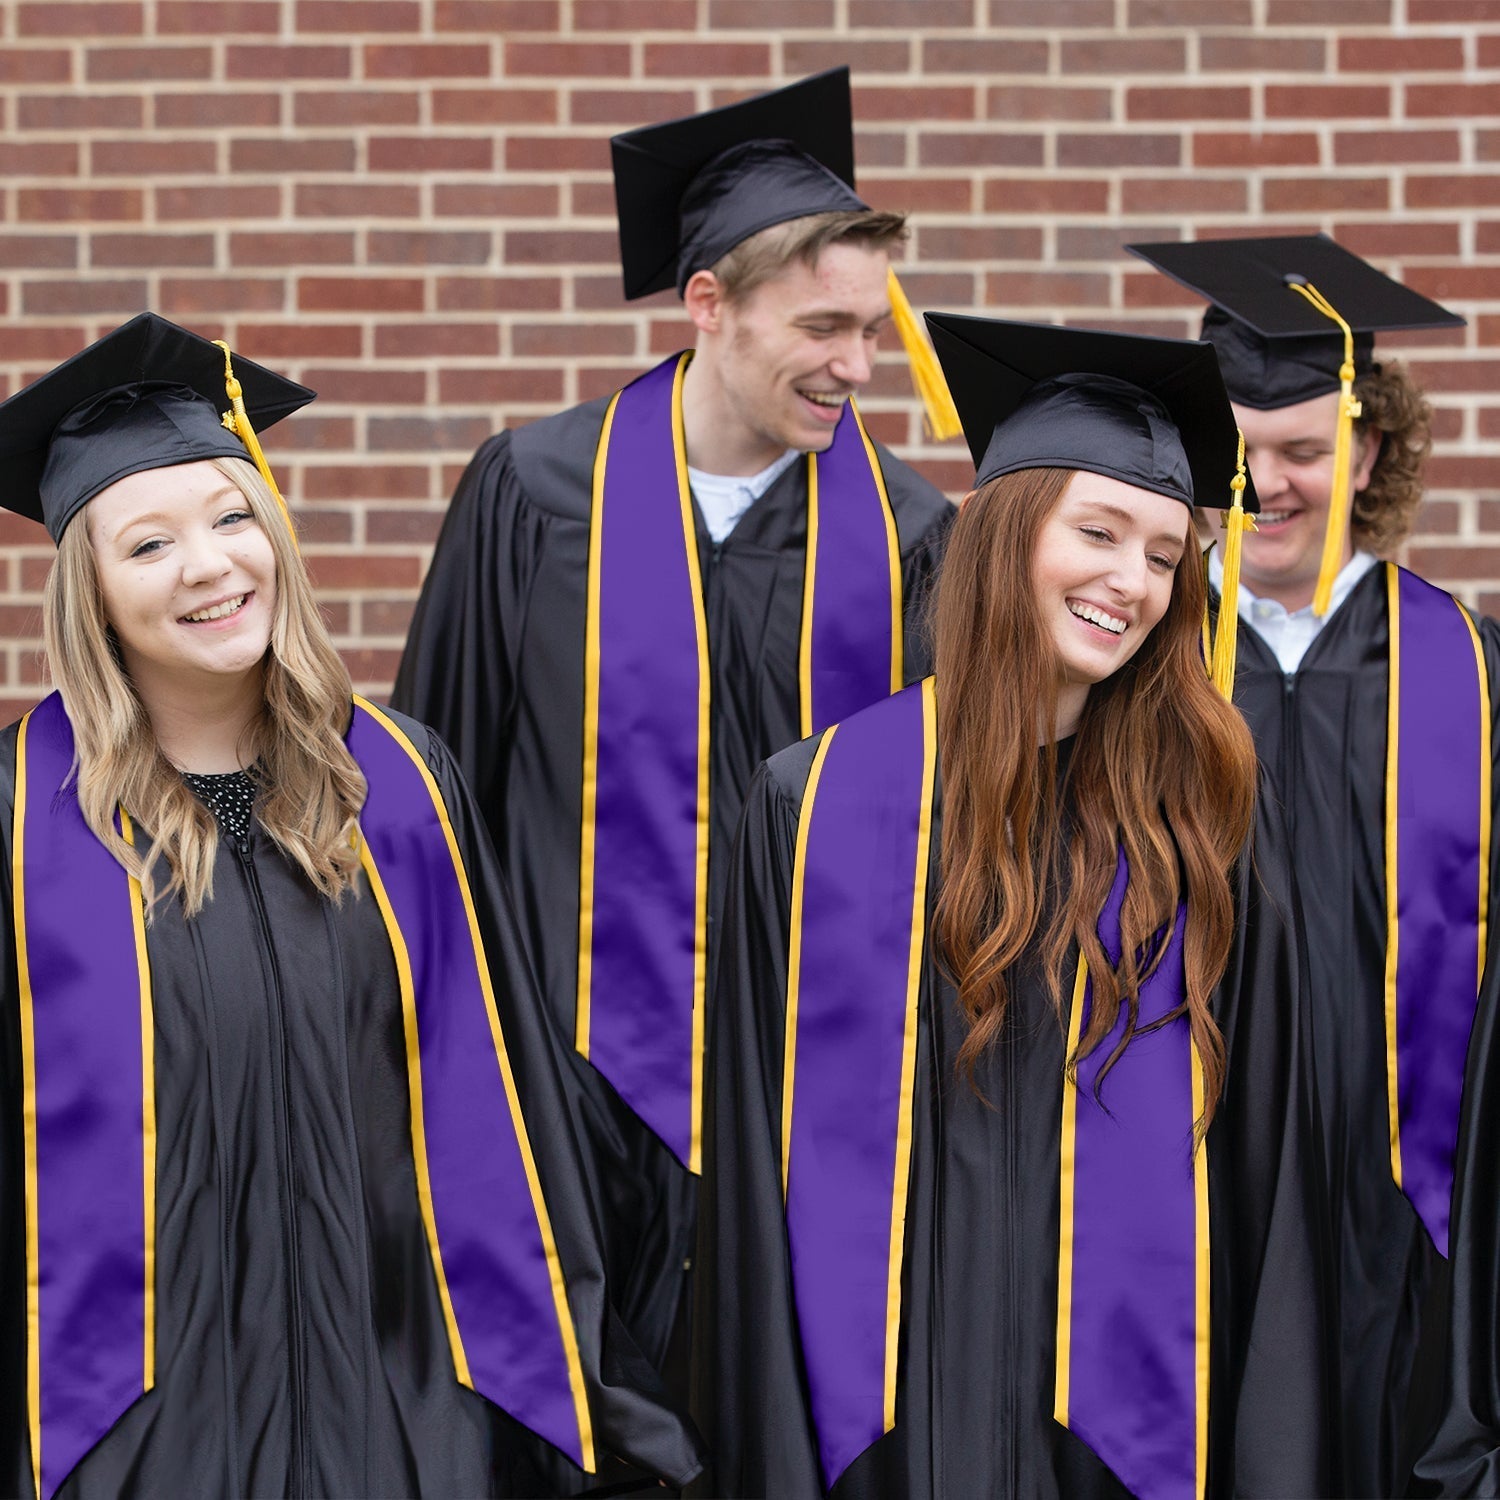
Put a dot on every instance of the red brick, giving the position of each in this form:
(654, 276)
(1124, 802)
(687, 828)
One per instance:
(313, 16)
(494, 106)
(1426, 12)
(439, 247)
(976, 54)
(1400, 55)
(1468, 471)
(81, 18)
(1145, 13)
(1061, 14)
(1454, 563)
(770, 15)
(363, 294)
(357, 107)
(707, 59)
(76, 297)
(284, 247)
(1489, 51)
(1271, 149)
(152, 158)
(430, 434)
(362, 386)
(50, 344)
(923, 194)
(1487, 238)
(495, 200)
(431, 153)
(284, 63)
(1281, 195)
(498, 293)
(34, 65)
(596, 200)
(875, 148)
(312, 434)
(931, 288)
(1430, 100)
(916, 103)
(557, 153)
(1124, 55)
(432, 61)
(1084, 242)
(627, 107)
(279, 154)
(668, 336)
(627, 15)
(550, 340)
(214, 296)
(427, 339)
(1478, 375)
(1317, 101)
(301, 340)
(1154, 290)
(978, 242)
(1391, 147)
(1489, 417)
(357, 200)
(40, 159)
(548, 247)
(567, 59)
(363, 570)
(1436, 517)
(386, 617)
(487, 386)
(80, 111)
(1414, 237)
(860, 54)
(1468, 191)
(391, 527)
(65, 205)
(1027, 103)
(324, 527)
(1447, 283)
(149, 251)
(147, 64)
(1261, 54)
(216, 202)
(496, 17)
(207, 110)
(1042, 289)
(364, 482)
(218, 17)
(1205, 103)
(978, 149)
(910, 15)
(1118, 149)
(49, 252)
(1046, 195)
(1328, 13)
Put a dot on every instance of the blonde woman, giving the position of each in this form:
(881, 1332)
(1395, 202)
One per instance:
(289, 1188)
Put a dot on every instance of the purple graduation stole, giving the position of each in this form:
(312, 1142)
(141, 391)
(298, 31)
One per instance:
(87, 1044)
(855, 960)
(643, 868)
(1437, 869)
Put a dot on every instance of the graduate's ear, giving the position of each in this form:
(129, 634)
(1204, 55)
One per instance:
(1367, 443)
(967, 498)
(703, 297)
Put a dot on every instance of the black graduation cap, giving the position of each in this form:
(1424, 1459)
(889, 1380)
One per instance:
(1151, 412)
(690, 190)
(147, 396)
(1275, 347)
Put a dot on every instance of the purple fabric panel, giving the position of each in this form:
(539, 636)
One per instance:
(487, 1227)
(851, 649)
(646, 812)
(87, 1020)
(856, 930)
(1437, 889)
(1133, 1387)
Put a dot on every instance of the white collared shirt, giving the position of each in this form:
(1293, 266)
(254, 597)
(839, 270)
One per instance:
(724, 498)
(1290, 632)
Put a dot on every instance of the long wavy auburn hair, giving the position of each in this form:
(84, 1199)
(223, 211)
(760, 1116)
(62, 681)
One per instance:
(1162, 768)
(309, 787)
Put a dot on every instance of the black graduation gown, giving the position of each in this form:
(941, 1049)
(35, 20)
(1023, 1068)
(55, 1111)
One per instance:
(301, 1348)
(495, 663)
(1322, 733)
(976, 1374)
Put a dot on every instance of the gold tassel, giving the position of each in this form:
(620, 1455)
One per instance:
(926, 373)
(1338, 495)
(1236, 522)
(237, 420)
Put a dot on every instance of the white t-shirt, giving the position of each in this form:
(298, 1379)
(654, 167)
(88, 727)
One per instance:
(724, 498)
(1290, 632)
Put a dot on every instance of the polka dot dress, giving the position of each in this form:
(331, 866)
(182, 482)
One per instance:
(228, 795)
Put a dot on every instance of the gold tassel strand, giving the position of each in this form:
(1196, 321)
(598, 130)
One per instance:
(926, 373)
(1237, 521)
(237, 420)
(1338, 497)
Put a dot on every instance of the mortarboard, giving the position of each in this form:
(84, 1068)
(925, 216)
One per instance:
(149, 395)
(1273, 301)
(1151, 412)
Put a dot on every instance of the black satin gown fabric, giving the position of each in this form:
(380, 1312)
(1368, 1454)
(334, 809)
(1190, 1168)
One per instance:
(1322, 733)
(979, 1282)
(301, 1348)
(495, 663)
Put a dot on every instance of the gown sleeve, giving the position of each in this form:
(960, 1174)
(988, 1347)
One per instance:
(632, 1416)
(1463, 1457)
(747, 1372)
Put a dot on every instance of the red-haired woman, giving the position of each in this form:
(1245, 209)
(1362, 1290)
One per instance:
(1012, 1185)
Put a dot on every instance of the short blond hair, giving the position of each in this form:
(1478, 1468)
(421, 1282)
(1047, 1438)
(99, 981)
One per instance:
(756, 260)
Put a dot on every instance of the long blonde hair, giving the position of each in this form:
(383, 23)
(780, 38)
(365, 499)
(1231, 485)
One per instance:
(309, 787)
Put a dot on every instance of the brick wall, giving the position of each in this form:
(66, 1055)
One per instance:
(406, 204)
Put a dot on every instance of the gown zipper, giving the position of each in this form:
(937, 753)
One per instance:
(283, 1125)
